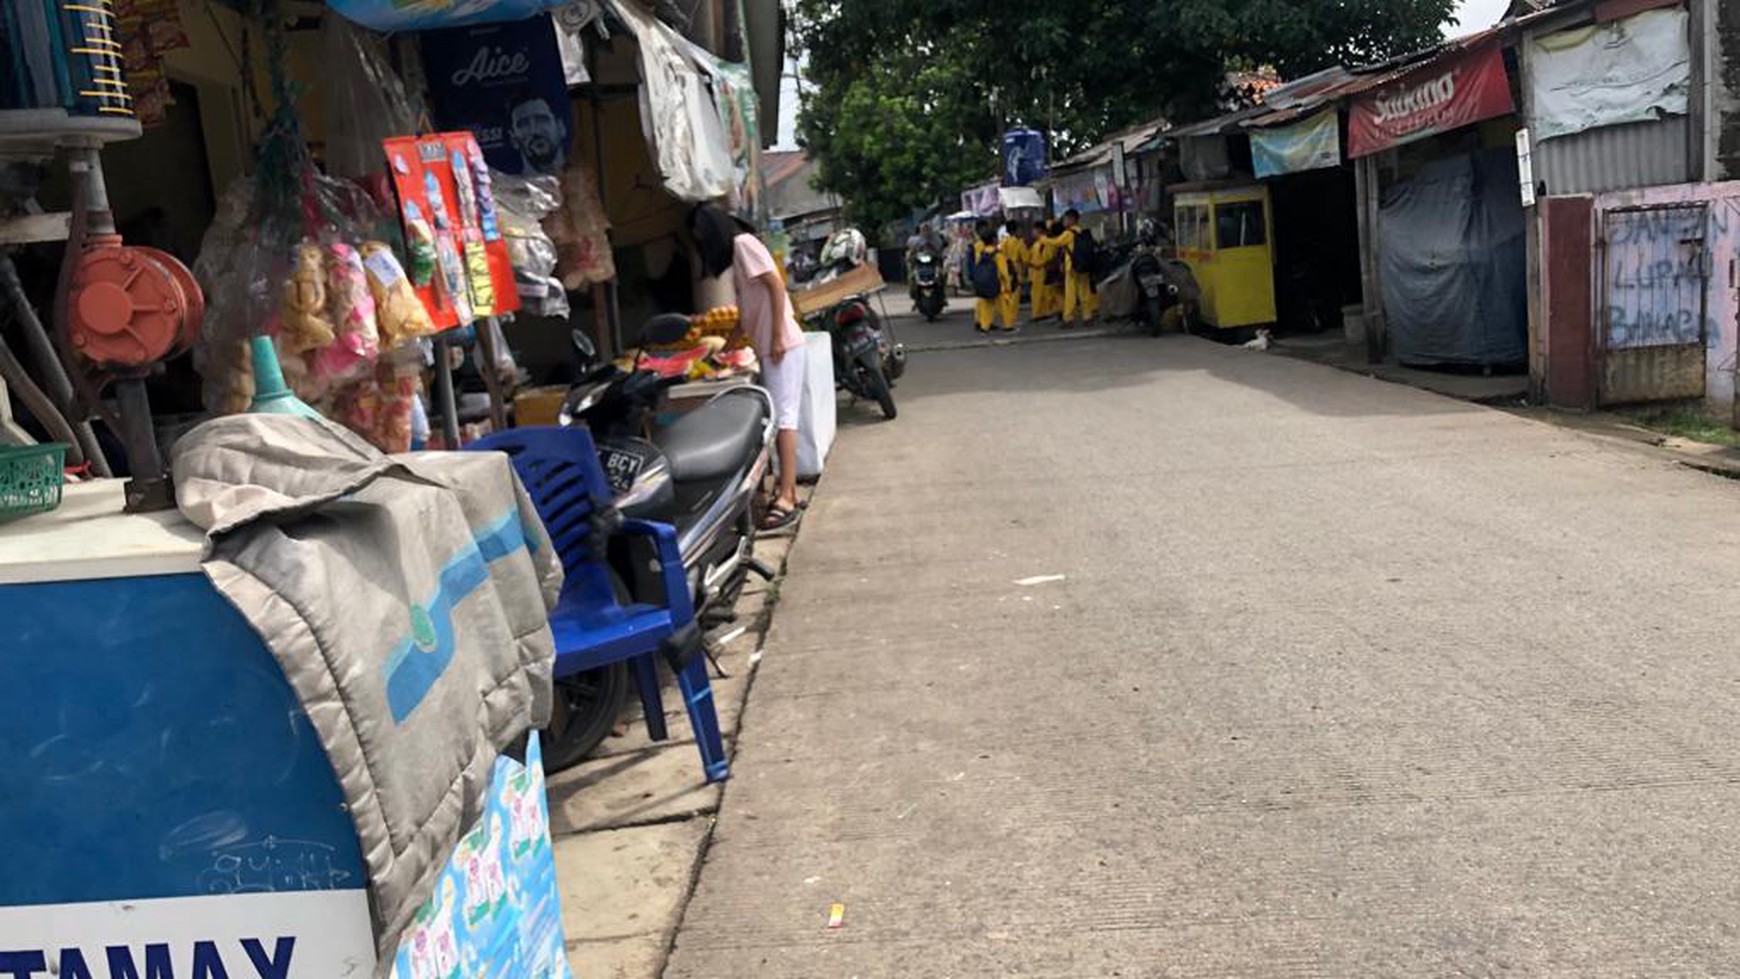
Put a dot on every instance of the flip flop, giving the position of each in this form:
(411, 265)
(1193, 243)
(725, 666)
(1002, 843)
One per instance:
(779, 517)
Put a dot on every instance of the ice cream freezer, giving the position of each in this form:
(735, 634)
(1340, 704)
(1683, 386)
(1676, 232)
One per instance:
(171, 812)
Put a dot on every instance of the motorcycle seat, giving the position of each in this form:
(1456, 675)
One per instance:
(714, 441)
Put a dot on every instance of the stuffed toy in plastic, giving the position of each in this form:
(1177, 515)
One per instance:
(303, 325)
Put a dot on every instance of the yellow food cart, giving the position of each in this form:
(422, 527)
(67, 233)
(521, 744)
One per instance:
(1224, 235)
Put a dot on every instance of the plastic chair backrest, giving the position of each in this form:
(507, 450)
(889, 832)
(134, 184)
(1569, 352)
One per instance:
(561, 473)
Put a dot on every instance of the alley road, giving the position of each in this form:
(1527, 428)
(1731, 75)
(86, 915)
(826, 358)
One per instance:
(1310, 675)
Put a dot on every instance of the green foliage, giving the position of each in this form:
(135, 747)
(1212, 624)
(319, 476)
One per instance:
(907, 96)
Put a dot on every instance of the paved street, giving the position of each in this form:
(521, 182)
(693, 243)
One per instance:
(1156, 658)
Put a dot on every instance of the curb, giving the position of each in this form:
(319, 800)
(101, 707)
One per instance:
(1058, 336)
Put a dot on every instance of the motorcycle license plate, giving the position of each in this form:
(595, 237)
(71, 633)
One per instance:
(1151, 285)
(621, 467)
(860, 340)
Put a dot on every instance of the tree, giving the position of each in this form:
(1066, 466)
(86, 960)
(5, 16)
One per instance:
(910, 95)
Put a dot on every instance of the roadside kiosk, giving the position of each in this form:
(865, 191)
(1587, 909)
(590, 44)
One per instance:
(1224, 235)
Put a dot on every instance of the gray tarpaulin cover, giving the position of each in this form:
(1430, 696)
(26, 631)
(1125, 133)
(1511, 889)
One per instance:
(406, 599)
(1452, 257)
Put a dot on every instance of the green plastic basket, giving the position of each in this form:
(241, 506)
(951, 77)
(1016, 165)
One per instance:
(30, 479)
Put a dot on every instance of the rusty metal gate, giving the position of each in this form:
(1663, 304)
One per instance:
(1654, 335)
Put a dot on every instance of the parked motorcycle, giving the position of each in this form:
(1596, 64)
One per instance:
(1145, 284)
(928, 286)
(1156, 292)
(867, 359)
(698, 474)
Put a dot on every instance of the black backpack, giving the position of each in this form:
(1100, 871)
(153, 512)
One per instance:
(987, 281)
(1086, 255)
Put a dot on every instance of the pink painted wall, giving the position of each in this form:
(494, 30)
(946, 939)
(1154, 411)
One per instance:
(1722, 241)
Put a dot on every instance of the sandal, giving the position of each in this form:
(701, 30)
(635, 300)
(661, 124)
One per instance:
(780, 517)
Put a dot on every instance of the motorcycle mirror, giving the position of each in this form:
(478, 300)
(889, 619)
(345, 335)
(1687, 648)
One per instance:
(664, 329)
(584, 347)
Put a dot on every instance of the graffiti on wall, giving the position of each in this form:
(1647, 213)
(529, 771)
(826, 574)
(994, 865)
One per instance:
(1658, 268)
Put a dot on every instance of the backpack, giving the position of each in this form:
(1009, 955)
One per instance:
(1086, 256)
(987, 281)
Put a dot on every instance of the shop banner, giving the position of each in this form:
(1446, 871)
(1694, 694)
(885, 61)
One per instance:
(981, 201)
(1088, 192)
(1314, 144)
(506, 84)
(391, 16)
(1631, 70)
(1023, 158)
(1446, 93)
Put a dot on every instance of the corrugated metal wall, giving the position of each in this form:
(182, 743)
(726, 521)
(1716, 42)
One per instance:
(1643, 154)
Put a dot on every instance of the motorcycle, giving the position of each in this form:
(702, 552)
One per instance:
(1145, 284)
(1155, 291)
(699, 474)
(867, 359)
(928, 286)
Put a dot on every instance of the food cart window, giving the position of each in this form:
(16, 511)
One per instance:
(1193, 227)
(1240, 225)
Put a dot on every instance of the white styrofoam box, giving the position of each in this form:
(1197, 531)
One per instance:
(816, 420)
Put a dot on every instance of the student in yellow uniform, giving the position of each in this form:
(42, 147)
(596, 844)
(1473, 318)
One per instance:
(986, 276)
(1079, 295)
(1041, 258)
(1014, 262)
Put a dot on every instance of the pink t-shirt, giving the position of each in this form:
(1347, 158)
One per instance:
(751, 261)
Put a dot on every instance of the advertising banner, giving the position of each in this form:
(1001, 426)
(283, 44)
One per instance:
(1314, 144)
(1445, 93)
(506, 84)
(392, 16)
(1631, 70)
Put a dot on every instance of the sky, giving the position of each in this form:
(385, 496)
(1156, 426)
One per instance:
(1476, 15)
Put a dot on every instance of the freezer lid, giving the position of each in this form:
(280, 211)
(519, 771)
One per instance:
(91, 537)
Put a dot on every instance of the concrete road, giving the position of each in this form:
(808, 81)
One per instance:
(1154, 658)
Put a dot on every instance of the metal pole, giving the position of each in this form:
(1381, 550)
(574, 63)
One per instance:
(486, 350)
(444, 398)
(149, 488)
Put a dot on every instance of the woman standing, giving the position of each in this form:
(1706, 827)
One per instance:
(770, 325)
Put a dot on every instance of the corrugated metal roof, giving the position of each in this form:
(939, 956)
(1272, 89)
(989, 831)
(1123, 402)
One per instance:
(1101, 152)
(1641, 154)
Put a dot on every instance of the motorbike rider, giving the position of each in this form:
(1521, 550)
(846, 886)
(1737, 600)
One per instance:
(770, 324)
(924, 239)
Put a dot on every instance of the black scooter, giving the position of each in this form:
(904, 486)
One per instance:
(928, 285)
(867, 358)
(698, 474)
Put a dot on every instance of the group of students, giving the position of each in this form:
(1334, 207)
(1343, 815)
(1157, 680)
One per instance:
(1054, 261)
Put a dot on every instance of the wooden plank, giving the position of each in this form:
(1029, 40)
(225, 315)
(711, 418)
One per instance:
(863, 280)
(1568, 314)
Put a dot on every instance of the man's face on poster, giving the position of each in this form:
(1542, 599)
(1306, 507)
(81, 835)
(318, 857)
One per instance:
(539, 136)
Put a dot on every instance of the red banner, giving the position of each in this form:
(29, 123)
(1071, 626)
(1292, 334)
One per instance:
(1447, 93)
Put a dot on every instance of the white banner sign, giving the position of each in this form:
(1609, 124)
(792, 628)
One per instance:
(300, 935)
(1630, 70)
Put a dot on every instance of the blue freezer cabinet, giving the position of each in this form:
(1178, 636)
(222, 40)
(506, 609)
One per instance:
(170, 811)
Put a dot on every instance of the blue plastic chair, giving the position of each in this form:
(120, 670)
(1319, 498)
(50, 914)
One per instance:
(593, 628)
